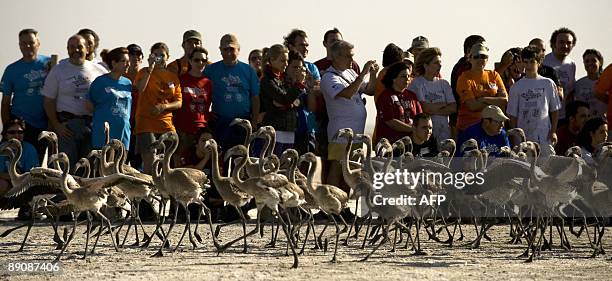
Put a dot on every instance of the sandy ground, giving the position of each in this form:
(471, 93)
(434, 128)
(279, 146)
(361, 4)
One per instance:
(495, 260)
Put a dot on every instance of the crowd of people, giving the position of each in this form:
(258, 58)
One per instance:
(306, 102)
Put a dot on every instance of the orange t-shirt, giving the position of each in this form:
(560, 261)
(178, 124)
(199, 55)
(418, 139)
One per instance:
(174, 66)
(379, 87)
(604, 85)
(163, 87)
(471, 86)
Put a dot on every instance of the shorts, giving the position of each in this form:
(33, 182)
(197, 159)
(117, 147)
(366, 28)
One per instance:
(144, 141)
(335, 151)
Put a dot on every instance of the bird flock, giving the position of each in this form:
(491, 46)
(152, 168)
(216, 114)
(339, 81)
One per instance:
(529, 190)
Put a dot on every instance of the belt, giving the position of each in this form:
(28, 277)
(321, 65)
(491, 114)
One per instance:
(64, 115)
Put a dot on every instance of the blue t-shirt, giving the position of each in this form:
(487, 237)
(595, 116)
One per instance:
(491, 143)
(233, 87)
(112, 101)
(24, 80)
(307, 123)
(29, 159)
(314, 71)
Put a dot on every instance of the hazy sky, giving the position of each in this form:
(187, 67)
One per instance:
(370, 25)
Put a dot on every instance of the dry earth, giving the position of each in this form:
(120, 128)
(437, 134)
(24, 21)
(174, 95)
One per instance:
(494, 260)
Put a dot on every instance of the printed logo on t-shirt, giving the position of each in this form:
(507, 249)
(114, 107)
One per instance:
(584, 94)
(81, 86)
(120, 107)
(493, 86)
(78, 81)
(198, 99)
(563, 76)
(406, 110)
(34, 88)
(531, 101)
(233, 87)
(490, 147)
(35, 75)
(432, 97)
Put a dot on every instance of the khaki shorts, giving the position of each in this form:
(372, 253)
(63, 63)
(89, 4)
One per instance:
(144, 141)
(335, 151)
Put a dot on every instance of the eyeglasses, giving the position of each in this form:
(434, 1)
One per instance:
(14, 132)
(200, 60)
(482, 57)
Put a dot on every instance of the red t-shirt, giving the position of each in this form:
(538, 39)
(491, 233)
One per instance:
(395, 105)
(197, 96)
(565, 140)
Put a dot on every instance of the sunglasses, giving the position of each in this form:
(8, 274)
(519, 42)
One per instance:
(482, 57)
(200, 60)
(14, 132)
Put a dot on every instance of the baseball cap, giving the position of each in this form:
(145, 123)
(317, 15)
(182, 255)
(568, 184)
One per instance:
(493, 112)
(479, 49)
(408, 56)
(420, 42)
(191, 34)
(229, 40)
(134, 49)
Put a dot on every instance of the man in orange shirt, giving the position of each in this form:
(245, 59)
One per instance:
(478, 88)
(602, 90)
(191, 40)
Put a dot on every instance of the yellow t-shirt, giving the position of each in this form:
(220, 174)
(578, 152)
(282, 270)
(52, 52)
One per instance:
(471, 86)
(163, 87)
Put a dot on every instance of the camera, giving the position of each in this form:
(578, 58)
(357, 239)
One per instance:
(159, 59)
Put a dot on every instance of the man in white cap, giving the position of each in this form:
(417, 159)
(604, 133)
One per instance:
(235, 92)
(489, 132)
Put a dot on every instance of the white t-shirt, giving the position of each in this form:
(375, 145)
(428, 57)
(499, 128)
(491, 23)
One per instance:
(531, 101)
(342, 112)
(68, 84)
(566, 70)
(584, 92)
(285, 137)
(436, 91)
